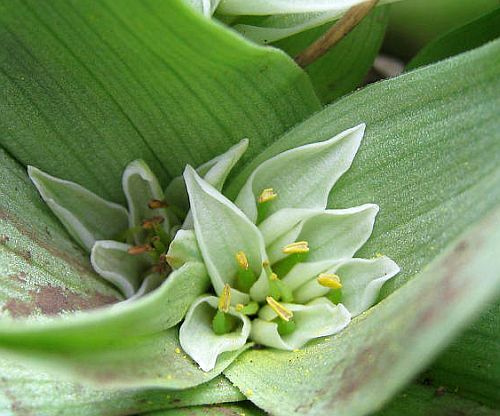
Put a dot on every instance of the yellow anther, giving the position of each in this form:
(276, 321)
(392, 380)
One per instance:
(274, 276)
(242, 260)
(266, 195)
(239, 307)
(225, 299)
(280, 310)
(296, 248)
(331, 281)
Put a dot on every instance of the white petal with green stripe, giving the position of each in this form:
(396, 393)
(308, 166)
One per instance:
(222, 230)
(86, 216)
(301, 177)
(318, 318)
(198, 339)
(111, 260)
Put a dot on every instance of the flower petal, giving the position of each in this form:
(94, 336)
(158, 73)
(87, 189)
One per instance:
(318, 318)
(184, 248)
(302, 177)
(215, 172)
(302, 273)
(151, 282)
(222, 230)
(140, 186)
(198, 339)
(86, 216)
(361, 282)
(111, 260)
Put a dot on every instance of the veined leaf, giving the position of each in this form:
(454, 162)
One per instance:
(341, 375)
(86, 88)
(464, 38)
(430, 159)
(343, 68)
(24, 390)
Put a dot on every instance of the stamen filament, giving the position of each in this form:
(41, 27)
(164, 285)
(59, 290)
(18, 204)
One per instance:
(279, 309)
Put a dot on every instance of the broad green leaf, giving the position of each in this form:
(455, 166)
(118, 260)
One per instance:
(41, 270)
(86, 216)
(345, 65)
(341, 374)
(197, 336)
(464, 38)
(478, 347)
(95, 329)
(430, 157)
(111, 260)
(242, 409)
(150, 361)
(88, 87)
(184, 248)
(302, 177)
(222, 231)
(424, 400)
(24, 390)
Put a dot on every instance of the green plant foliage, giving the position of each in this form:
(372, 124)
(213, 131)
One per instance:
(343, 68)
(25, 391)
(464, 38)
(342, 374)
(88, 87)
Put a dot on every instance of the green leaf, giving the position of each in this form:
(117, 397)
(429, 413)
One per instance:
(24, 390)
(390, 342)
(345, 65)
(227, 410)
(86, 88)
(150, 361)
(469, 36)
(95, 329)
(420, 400)
(86, 216)
(444, 112)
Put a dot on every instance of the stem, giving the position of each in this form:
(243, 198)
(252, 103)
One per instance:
(322, 45)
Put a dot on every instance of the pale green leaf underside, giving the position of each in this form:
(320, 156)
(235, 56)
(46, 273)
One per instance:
(23, 390)
(390, 342)
(87, 88)
(226, 410)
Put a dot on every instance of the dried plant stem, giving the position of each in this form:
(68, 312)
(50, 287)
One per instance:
(348, 22)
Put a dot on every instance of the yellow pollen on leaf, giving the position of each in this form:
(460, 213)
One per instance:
(242, 260)
(225, 299)
(280, 310)
(266, 195)
(298, 247)
(331, 281)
